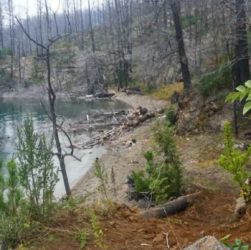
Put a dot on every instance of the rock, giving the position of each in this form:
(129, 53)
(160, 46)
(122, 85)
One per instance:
(207, 242)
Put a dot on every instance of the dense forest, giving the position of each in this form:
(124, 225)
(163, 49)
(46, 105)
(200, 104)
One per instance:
(125, 124)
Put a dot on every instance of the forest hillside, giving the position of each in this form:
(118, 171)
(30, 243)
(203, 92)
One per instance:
(125, 124)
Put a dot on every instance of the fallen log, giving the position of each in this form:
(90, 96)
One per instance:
(171, 207)
(148, 116)
(104, 95)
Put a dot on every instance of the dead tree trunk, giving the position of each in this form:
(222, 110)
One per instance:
(175, 8)
(12, 34)
(241, 65)
(1, 26)
(52, 100)
(52, 113)
(91, 28)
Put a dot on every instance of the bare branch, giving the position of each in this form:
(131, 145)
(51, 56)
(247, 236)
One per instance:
(28, 35)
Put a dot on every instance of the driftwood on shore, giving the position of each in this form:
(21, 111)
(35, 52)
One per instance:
(104, 95)
(79, 97)
(105, 126)
(133, 91)
(171, 207)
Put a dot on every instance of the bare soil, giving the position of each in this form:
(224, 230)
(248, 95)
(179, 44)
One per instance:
(123, 228)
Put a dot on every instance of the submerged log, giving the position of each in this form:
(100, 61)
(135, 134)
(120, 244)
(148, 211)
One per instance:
(171, 207)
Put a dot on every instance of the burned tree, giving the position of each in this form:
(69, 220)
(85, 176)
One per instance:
(175, 8)
(241, 64)
(52, 112)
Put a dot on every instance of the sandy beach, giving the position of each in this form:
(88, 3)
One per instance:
(119, 158)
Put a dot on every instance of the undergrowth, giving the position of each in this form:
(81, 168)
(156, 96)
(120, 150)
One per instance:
(212, 82)
(165, 92)
(235, 161)
(161, 179)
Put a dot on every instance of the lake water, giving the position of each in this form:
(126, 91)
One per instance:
(13, 112)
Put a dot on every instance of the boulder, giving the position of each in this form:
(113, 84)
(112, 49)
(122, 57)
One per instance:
(207, 242)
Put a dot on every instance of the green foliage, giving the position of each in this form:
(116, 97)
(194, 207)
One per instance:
(161, 179)
(4, 52)
(219, 79)
(100, 173)
(237, 245)
(148, 88)
(97, 230)
(141, 182)
(82, 238)
(235, 162)
(242, 92)
(13, 219)
(38, 176)
(171, 115)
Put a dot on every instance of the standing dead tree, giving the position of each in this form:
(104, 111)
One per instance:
(241, 66)
(52, 114)
(175, 8)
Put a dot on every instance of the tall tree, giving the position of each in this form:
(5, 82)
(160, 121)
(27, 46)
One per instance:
(91, 27)
(12, 35)
(175, 8)
(1, 26)
(52, 103)
(241, 64)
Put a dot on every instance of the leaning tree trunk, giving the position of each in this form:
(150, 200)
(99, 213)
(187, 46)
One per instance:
(175, 8)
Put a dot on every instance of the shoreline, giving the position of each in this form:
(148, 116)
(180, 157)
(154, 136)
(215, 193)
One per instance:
(119, 159)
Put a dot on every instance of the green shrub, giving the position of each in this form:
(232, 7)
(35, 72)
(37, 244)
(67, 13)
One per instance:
(13, 219)
(148, 88)
(97, 231)
(82, 238)
(100, 173)
(171, 115)
(243, 92)
(161, 179)
(218, 79)
(37, 173)
(235, 162)
(237, 245)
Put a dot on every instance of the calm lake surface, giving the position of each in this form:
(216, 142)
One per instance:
(13, 113)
